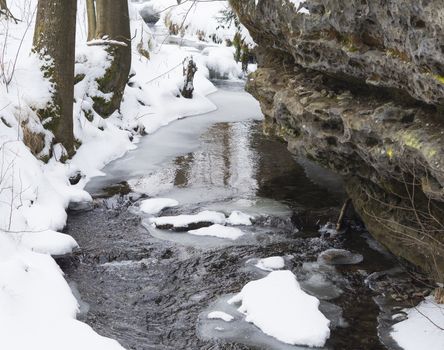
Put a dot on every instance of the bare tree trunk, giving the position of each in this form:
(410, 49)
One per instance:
(91, 13)
(113, 26)
(54, 41)
(189, 70)
(4, 10)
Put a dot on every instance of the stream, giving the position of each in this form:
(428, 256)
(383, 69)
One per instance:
(153, 289)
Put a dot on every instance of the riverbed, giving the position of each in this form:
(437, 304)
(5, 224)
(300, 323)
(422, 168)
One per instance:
(153, 289)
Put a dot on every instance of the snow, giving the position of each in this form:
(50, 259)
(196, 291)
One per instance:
(185, 220)
(278, 306)
(329, 230)
(219, 231)
(38, 307)
(271, 263)
(239, 218)
(297, 4)
(219, 61)
(220, 315)
(155, 205)
(418, 331)
(202, 19)
(46, 242)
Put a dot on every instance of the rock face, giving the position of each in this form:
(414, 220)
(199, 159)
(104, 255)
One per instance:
(391, 43)
(358, 87)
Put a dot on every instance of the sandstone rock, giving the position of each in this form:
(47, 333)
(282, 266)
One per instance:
(358, 87)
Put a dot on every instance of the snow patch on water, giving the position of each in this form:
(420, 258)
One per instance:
(271, 263)
(278, 306)
(239, 218)
(218, 231)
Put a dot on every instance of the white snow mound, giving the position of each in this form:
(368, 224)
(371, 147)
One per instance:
(155, 205)
(419, 330)
(281, 309)
(239, 218)
(219, 231)
(271, 263)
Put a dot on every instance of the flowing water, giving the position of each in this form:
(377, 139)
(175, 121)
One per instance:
(152, 289)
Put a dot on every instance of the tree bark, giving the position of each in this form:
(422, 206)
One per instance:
(91, 14)
(113, 25)
(54, 41)
(4, 9)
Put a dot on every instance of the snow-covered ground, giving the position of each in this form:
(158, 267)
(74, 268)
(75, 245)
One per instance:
(38, 309)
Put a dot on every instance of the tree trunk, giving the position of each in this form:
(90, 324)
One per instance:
(189, 70)
(91, 13)
(113, 26)
(54, 41)
(4, 10)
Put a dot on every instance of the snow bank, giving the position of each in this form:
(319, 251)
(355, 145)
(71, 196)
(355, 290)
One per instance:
(420, 330)
(156, 205)
(37, 307)
(219, 231)
(46, 242)
(220, 63)
(278, 306)
(271, 263)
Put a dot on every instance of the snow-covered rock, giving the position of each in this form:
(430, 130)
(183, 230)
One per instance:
(185, 222)
(156, 205)
(339, 257)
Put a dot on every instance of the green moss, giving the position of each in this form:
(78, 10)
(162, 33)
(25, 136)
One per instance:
(50, 117)
(438, 78)
(45, 158)
(402, 56)
(78, 78)
(77, 144)
(111, 83)
(390, 153)
(237, 43)
(89, 114)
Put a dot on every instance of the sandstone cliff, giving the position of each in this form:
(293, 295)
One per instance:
(358, 86)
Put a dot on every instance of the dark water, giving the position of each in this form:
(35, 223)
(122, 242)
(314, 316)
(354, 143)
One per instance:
(150, 289)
